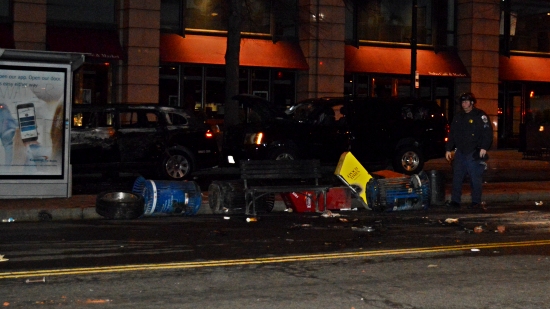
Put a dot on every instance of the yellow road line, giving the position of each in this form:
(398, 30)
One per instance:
(268, 260)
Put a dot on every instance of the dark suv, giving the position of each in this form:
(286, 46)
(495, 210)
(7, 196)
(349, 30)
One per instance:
(140, 138)
(404, 132)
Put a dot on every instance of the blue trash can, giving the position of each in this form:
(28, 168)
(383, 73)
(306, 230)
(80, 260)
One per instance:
(168, 197)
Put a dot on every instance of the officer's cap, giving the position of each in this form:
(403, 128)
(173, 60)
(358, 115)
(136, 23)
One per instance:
(467, 96)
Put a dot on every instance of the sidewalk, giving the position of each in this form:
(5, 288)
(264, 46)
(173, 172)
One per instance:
(504, 164)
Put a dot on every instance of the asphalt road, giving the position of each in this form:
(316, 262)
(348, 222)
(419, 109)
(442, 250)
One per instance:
(355, 260)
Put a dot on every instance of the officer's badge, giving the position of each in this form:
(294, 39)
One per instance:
(484, 118)
(471, 121)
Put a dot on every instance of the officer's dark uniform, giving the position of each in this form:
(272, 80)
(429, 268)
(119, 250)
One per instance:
(469, 132)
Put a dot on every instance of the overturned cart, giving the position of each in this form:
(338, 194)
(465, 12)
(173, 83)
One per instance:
(388, 191)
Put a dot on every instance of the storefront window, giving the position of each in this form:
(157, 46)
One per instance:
(168, 85)
(529, 25)
(192, 88)
(284, 88)
(203, 87)
(98, 12)
(391, 21)
(215, 92)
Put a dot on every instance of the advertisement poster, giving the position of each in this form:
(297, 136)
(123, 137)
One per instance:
(31, 121)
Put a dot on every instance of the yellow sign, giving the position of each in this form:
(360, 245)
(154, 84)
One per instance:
(351, 171)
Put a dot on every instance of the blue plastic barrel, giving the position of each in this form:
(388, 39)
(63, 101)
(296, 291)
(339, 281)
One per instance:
(168, 197)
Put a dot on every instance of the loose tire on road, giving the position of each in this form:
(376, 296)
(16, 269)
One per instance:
(119, 205)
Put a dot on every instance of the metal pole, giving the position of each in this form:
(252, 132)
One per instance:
(414, 35)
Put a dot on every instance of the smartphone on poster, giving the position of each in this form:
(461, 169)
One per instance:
(27, 122)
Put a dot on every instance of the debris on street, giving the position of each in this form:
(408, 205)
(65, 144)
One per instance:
(451, 220)
(329, 214)
(475, 250)
(501, 229)
(36, 280)
(478, 229)
(362, 229)
(540, 203)
(2, 259)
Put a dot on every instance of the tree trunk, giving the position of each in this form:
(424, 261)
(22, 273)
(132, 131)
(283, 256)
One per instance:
(232, 62)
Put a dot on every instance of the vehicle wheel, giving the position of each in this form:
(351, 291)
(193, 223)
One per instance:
(283, 153)
(408, 160)
(178, 165)
(119, 205)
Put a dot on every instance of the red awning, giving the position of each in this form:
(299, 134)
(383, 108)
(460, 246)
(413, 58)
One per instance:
(211, 50)
(388, 60)
(100, 44)
(524, 68)
(6, 36)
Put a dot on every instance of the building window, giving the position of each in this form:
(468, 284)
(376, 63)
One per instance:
(391, 21)
(528, 26)
(5, 11)
(212, 15)
(90, 13)
(171, 16)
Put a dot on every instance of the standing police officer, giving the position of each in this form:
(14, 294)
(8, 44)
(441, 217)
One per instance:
(471, 136)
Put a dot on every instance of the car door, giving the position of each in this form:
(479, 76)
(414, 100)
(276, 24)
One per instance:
(93, 140)
(140, 139)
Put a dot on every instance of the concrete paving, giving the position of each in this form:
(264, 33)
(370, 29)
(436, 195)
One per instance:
(506, 165)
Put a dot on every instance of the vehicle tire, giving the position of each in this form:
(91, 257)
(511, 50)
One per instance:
(177, 165)
(408, 160)
(226, 196)
(119, 205)
(283, 153)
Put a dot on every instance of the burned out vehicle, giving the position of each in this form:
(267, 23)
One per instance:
(149, 139)
(402, 132)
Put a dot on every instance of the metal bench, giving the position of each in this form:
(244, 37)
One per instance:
(262, 177)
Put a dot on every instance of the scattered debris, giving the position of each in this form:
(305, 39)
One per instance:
(362, 229)
(432, 266)
(8, 220)
(539, 203)
(252, 219)
(36, 280)
(451, 221)
(289, 210)
(226, 218)
(343, 220)
(478, 229)
(475, 250)
(329, 214)
(501, 229)
(2, 259)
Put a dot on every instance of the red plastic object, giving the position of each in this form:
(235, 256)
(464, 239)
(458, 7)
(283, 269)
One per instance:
(337, 198)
